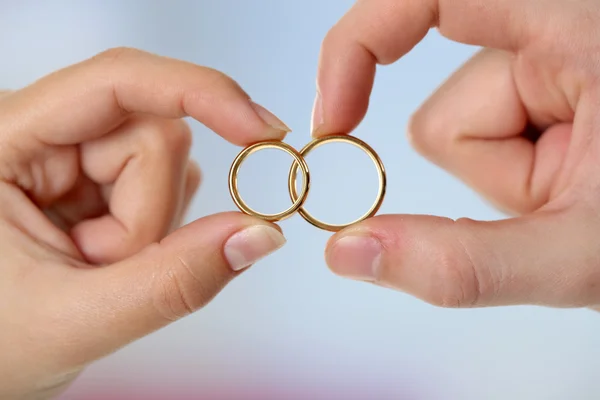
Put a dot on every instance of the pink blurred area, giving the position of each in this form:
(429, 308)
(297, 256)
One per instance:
(235, 391)
(246, 394)
(363, 381)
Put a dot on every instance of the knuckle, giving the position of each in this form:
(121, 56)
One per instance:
(179, 135)
(194, 175)
(449, 288)
(455, 281)
(167, 135)
(116, 54)
(586, 286)
(422, 134)
(178, 292)
(339, 37)
(214, 81)
(330, 38)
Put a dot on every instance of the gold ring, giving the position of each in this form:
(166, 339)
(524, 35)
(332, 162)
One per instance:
(331, 139)
(298, 160)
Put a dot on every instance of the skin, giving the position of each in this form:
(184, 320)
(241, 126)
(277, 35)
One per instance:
(95, 177)
(518, 123)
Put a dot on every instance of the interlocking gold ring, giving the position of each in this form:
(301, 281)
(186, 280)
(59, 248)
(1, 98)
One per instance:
(298, 160)
(344, 139)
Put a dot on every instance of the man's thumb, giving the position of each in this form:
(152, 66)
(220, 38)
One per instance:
(165, 282)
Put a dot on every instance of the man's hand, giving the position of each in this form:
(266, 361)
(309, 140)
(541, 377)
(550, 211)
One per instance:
(519, 123)
(94, 174)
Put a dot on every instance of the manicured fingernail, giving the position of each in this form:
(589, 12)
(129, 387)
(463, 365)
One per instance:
(269, 118)
(317, 115)
(355, 256)
(252, 244)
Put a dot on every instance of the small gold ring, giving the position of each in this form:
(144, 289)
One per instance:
(298, 160)
(331, 139)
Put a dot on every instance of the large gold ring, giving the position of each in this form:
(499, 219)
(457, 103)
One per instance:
(345, 139)
(298, 199)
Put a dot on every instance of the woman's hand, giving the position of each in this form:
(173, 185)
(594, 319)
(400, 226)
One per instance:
(95, 177)
(520, 123)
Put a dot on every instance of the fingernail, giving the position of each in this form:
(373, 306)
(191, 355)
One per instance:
(252, 244)
(317, 114)
(269, 118)
(355, 256)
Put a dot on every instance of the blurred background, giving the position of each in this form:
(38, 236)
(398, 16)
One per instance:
(288, 328)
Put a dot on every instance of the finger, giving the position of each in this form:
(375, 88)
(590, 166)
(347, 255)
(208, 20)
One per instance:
(144, 163)
(103, 309)
(85, 101)
(85, 200)
(547, 259)
(474, 127)
(381, 31)
(192, 183)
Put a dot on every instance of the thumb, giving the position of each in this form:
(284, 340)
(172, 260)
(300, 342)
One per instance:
(544, 259)
(163, 283)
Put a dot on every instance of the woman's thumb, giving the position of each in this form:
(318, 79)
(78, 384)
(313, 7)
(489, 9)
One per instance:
(165, 282)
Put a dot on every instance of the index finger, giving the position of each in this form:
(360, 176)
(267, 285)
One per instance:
(381, 31)
(86, 100)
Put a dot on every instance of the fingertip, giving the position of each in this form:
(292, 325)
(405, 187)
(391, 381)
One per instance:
(168, 280)
(243, 239)
(419, 255)
(374, 226)
(103, 240)
(193, 178)
(216, 227)
(355, 255)
(356, 252)
(125, 81)
(317, 115)
(270, 119)
(251, 244)
(345, 78)
(256, 124)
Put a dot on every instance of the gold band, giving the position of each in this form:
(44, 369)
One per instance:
(235, 168)
(300, 162)
(344, 139)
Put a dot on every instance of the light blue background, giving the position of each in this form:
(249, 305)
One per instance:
(289, 322)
